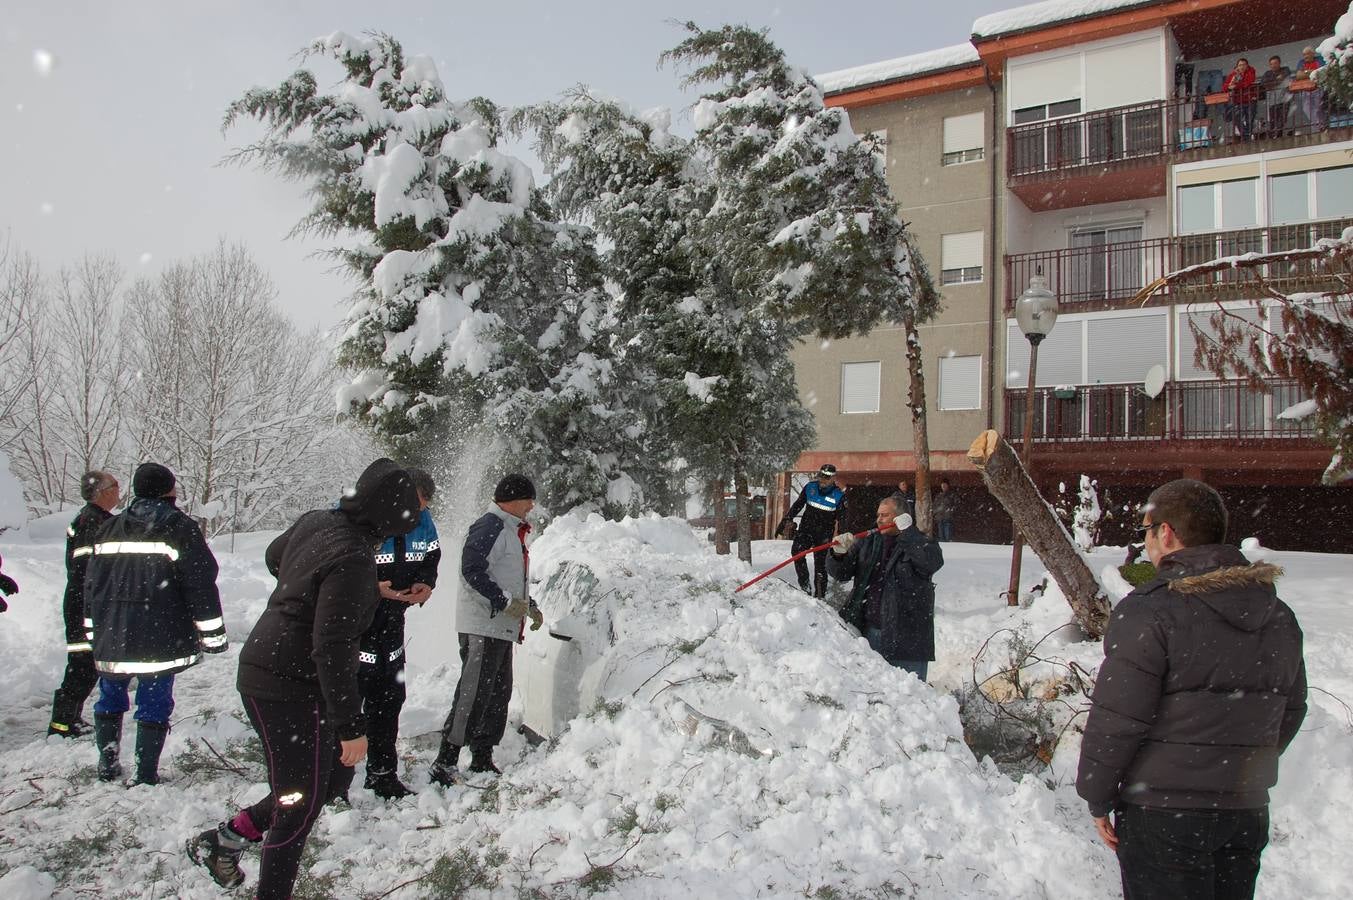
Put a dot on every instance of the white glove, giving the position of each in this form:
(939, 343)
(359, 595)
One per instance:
(902, 522)
(844, 541)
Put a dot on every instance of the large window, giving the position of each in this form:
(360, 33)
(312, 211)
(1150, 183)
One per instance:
(961, 258)
(1221, 205)
(960, 382)
(963, 140)
(860, 387)
(1091, 349)
(1108, 262)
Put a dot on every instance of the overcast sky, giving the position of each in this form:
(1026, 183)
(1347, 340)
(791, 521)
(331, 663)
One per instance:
(110, 111)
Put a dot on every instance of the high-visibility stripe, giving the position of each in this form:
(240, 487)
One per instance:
(364, 657)
(415, 557)
(89, 635)
(145, 668)
(829, 507)
(160, 548)
(382, 558)
(209, 624)
(397, 654)
(211, 642)
(435, 545)
(89, 623)
(82, 551)
(81, 647)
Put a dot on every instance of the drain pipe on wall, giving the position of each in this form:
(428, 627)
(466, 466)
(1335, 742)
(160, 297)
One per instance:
(991, 304)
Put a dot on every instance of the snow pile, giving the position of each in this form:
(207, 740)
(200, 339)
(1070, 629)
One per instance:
(723, 745)
(1036, 15)
(897, 69)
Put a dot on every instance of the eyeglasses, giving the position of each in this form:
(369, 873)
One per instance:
(1143, 529)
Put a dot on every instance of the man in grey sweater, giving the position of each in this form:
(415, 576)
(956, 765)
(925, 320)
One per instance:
(494, 600)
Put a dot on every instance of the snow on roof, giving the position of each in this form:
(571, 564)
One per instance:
(1035, 15)
(900, 68)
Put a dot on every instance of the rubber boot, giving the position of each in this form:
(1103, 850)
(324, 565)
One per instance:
(149, 744)
(108, 738)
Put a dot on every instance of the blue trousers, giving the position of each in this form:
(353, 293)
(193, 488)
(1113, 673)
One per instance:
(916, 667)
(154, 697)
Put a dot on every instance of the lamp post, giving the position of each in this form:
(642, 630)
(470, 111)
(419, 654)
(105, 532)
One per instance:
(1036, 313)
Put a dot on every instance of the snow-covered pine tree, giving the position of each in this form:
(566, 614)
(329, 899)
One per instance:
(802, 235)
(480, 319)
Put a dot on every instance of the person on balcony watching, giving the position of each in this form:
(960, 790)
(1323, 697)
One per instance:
(1274, 84)
(1312, 101)
(1244, 98)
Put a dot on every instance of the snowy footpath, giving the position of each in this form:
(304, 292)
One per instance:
(701, 744)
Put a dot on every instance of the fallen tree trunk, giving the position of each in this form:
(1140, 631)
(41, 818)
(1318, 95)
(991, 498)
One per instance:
(1010, 484)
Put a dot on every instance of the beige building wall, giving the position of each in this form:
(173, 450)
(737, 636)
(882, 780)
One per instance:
(935, 200)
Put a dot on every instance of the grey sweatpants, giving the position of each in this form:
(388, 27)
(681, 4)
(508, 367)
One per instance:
(478, 716)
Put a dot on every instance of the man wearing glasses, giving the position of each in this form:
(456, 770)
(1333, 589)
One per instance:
(1203, 686)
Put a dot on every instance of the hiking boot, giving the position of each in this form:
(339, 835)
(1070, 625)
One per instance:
(108, 738)
(444, 775)
(483, 762)
(218, 850)
(386, 785)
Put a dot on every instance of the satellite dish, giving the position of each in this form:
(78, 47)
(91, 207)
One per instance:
(1155, 381)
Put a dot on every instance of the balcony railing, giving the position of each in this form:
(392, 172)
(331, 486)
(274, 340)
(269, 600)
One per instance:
(1185, 410)
(1103, 136)
(1117, 271)
(1147, 130)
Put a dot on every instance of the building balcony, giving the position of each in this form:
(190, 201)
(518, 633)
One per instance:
(1185, 411)
(1103, 275)
(1123, 154)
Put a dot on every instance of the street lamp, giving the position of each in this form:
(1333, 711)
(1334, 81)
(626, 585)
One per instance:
(1036, 313)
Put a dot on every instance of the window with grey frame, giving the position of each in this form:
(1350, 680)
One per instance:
(1106, 263)
(1051, 146)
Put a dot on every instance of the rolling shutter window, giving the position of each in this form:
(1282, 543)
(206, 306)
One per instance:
(963, 138)
(860, 387)
(1043, 82)
(961, 251)
(1122, 348)
(1188, 343)
(1060, 357)
(960, 382)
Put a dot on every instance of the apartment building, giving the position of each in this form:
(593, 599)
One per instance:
(1097, 149)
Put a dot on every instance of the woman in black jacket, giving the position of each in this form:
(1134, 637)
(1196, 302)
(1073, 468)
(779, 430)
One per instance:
(298, 673)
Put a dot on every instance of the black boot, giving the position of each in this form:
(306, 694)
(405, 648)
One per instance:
(108, 738)
(481, 760)
(386, 785)
(66, 719)
(219, 850)
(444, 769)
(149, 744)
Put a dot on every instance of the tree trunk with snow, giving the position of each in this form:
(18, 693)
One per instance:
(920, 435)
(720, 519)
(744, 508)
(1010, 484)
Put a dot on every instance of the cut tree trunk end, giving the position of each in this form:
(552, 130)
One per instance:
(1010, 484)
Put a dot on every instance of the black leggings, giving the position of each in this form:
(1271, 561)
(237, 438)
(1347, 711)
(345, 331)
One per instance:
(302, 751)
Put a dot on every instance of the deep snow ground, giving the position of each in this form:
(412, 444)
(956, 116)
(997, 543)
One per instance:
(726, 746)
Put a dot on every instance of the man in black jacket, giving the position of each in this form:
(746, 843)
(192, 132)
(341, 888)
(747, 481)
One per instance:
(150, 593)
(101, 493)
(893, 601)
(1203, 686)
(298, 673)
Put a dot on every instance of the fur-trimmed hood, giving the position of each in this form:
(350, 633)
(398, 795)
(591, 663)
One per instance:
(1239, 591)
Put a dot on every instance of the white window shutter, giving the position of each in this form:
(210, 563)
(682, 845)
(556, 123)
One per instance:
(960, 382)
(963, 132)
(961, 251)
(1123, 348)
(860, 387)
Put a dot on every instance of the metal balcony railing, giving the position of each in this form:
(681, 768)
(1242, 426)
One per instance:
(1103, 136)
(1117, 271)
(1185, 410)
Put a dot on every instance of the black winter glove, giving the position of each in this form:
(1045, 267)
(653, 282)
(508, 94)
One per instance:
(8, 586)
(784, 524)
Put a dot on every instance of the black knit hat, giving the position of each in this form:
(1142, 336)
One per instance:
(514, 487)
(152, 480)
